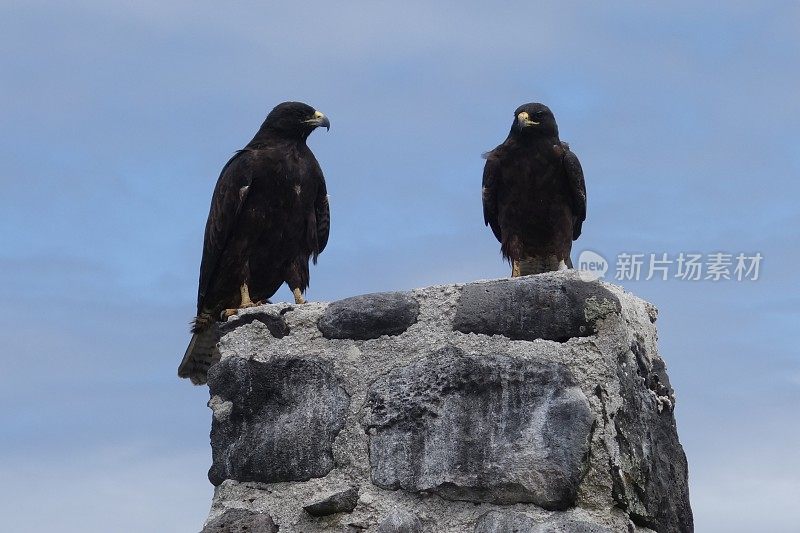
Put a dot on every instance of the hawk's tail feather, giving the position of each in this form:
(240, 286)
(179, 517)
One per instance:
(202, 322)
(202, 351)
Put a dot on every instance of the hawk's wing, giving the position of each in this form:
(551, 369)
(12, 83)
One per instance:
(229, 196)
(322, 214)
(491, 183)
(577, 187)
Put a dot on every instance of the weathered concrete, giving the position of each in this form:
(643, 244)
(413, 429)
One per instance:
(399, 521)
(513, 522)
(241, 521)
(566, 410)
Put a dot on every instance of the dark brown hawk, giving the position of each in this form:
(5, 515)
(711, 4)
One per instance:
(269, 215)
(534, 195)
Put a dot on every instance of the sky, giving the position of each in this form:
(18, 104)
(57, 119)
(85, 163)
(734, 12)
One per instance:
(117, 117)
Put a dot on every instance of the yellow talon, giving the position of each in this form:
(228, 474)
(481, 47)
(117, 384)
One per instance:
(298, 297)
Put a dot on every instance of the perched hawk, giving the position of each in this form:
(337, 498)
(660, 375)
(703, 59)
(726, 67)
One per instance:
(534, 196)
(269, 215)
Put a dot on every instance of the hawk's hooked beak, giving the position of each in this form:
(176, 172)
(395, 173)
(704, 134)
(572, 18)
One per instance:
(319, 120)
(523, 119)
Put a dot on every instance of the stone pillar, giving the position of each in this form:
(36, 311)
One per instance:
(535, 404)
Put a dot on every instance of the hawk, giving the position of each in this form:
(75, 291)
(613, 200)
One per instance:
(269, 215)
(534, 195)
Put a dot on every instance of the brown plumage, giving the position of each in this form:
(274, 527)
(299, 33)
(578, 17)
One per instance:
(269, 215)
(534, 195)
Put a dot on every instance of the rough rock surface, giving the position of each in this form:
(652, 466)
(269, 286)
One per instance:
(533, 308)
(339, 502)
(276, 325)
(399, 521)
(651, 482)
(547, 373)
(274, 421)
(480, 428)
(369, 316)
(241, 521)
(512, 522)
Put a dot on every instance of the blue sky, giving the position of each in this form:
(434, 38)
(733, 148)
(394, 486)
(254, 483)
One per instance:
(118, 116)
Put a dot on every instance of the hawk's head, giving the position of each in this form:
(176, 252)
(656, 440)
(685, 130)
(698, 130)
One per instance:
(295, 120)
(534, 119)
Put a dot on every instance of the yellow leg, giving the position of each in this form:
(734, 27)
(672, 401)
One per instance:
(245, 293)
(298, 297)
(515, 269)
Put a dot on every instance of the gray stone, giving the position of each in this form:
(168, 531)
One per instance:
(399, 521)
(274, 421)
(340, 502)
(241, 521)
(651, 475)
(275, 324)
(480, 428)
(511, 522)
(534, 307)
(369, 316)
(467, 423)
